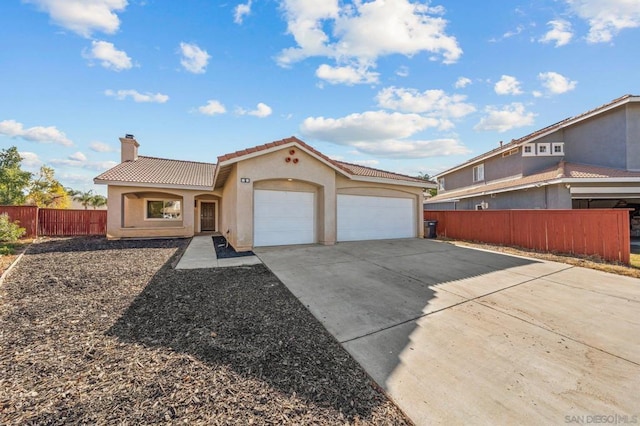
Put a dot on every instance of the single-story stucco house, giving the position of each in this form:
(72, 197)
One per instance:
(280, 193)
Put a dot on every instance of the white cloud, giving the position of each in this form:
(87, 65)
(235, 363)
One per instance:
(84, 16)
(560, 33)
(348, 75)
(412, 149)
(366, 126)
(30, 159)
(212, 107)
(78, 156)
(381, 134)
(366, 163)
(509, 117)
(401, 27)
(556, 83)
(42, 134)
(83, 164)
(515, 32)
(403, 71)
(508, 85)
(101, 147)
(194, 59)
(606, 18)
(462, 82)
(436, 103)
(110, 57)
(241, 10)
(262, 110)
(137, 96)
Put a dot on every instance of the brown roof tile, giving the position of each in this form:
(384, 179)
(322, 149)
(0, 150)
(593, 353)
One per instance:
(153, 170)
(359, 170)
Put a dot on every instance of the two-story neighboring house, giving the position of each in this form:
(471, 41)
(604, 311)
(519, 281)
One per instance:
(588, 161)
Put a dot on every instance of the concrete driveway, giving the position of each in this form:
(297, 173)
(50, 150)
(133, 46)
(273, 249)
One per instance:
(457, 335)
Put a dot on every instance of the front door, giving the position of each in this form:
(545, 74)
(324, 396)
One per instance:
(207, 217)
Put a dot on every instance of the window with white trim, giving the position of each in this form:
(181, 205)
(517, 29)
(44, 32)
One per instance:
(529, 150)
(544, 149)
(441, 184)
(156, 209)
(557, 148)
(478, 173)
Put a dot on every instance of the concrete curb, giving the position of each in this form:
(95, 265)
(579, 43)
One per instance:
(6, 273)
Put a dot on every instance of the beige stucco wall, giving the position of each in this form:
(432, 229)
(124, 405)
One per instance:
(271, 171)
(126, 212)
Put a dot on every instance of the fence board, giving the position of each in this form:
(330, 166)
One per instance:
(68, 223)
(600, 232)
(27, 216)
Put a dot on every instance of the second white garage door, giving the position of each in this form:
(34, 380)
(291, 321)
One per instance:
(375, 218)
(283, 218)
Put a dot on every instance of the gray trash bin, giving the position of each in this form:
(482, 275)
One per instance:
(430, 228)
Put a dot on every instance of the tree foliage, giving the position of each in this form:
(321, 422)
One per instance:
(84, 198)
(98, 201)
(46, 191)
(427, 177)
(13, 180)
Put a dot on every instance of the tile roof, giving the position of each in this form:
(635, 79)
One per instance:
(163, 171)
(359, 170)
(562, 170)
(560, 124)
(349, 169)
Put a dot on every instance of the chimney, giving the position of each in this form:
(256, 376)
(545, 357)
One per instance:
(500, 144)
(129, 148)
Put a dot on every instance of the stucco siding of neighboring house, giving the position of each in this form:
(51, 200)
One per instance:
(633, 137)
(601, 141)
(228, 223)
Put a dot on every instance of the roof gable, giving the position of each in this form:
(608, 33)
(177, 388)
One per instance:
(545, 131)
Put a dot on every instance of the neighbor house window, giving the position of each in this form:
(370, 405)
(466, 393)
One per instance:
(544, 149)
(164, 209)
(478, 173)
(529, 150)
(441, 184)
(557, 148)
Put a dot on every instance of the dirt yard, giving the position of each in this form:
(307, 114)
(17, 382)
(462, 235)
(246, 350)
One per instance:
(98, 332)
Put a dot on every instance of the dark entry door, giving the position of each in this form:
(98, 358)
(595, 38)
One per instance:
(207, 217)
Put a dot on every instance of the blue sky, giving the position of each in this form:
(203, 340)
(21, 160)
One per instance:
(401, 85)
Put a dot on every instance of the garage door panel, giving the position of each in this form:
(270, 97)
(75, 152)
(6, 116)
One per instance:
(372, 218)
(283, 217)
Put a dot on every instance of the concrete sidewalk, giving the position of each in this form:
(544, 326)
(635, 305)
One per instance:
(456, 335)
(201, 254)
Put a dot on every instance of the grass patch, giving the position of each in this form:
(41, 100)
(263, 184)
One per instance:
(635, 260)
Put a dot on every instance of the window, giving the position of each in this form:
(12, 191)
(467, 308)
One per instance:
(529, 150)
(544, 149)
(557, 148)
(441, 184)
(478, 173)
(163, 210)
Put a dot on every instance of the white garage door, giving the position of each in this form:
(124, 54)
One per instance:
(283, 217)
(375, 218)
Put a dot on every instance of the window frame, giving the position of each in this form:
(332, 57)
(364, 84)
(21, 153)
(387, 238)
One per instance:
(555, 145)
(531, 147)
(478, 173)
(546, 146)
(441, 184)
(164, 202)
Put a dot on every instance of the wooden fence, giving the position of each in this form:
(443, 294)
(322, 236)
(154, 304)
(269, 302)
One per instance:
(58, 222)
(600, 232)
(27, 216)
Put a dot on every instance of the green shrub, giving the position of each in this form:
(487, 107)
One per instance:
(10, 231)
(6, 250)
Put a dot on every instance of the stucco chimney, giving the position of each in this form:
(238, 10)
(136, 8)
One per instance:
(129, 148)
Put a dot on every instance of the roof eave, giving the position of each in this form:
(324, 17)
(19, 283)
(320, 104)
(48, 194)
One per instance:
(372, 179)
(152, 185)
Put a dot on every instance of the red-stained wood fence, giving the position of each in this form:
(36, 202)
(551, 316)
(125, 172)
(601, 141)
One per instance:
(600, 232)
(27, 216)
(58, 222)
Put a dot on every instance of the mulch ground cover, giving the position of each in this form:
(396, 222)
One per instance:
(107, 332)
(225, 250)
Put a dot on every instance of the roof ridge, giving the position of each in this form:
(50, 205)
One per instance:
(173, 159)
